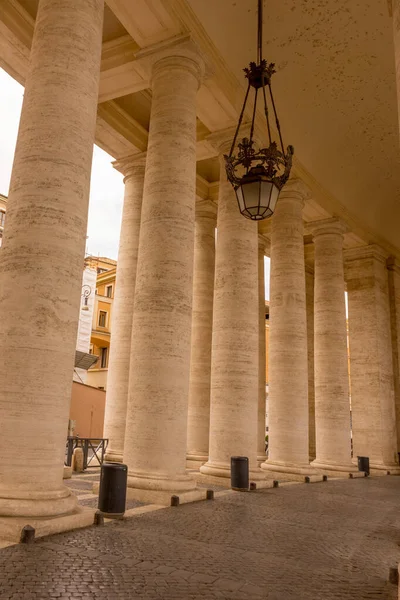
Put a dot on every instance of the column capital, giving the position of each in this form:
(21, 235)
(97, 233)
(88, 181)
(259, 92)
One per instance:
(181, 52)
(222, 140)
(295, 189)
(393, 264)
(364, 252)
(327, 227)
(131, 165)
(206, 208)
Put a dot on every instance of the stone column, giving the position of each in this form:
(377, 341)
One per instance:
(42, 258)
(332, 405)
(200, 366)
(261, 353)
(371, 363)
(288, 375)
(395, 6)
(118, 370)
(235, 346)
(309, 258)
(156, 424)
(394, 298)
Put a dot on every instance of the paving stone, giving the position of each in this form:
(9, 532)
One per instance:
(330, 542)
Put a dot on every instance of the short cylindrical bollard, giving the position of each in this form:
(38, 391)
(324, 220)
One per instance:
(240, 473)
(98, 518)
(77, 460)
(363, 464)
(394, 575)
(27, 535)
(112, 494)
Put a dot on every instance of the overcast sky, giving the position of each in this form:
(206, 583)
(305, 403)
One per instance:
(106, 189)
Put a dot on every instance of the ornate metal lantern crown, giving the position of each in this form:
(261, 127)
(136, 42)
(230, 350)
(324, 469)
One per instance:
(258, 176)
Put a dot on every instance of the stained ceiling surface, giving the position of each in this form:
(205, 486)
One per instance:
(335, 90)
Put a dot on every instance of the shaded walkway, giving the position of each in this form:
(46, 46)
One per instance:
(319, 541)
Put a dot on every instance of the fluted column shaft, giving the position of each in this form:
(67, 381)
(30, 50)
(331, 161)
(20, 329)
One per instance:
(332, 405)
(309, 255)
(371, 361)
(234, 369)
(395, 6)
(156, 425)
(118, 369)
(261, 353)
(288, 376)
(42, 254)
(394, 297)
(200, 365)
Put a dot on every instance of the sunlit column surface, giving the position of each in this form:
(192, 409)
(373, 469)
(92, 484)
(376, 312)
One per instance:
(332, 405)
(118, 370)
(156, 424)
(42, 256)
(234, 369)
(394, 296)
(288, 373)
(309, 257)
(261, 353)
(371, 361)
(202, 319)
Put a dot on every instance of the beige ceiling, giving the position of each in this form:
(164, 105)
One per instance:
(112, 27)
(335, 90)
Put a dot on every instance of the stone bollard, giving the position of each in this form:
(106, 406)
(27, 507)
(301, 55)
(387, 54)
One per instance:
(98, 518)
(27, 535)
(77, 460)
(394, 575)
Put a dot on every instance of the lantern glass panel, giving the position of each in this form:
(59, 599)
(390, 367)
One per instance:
(240, 199)
(274, 197)
(251, 193)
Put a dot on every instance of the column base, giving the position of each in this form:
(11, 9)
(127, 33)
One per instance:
(113, 456)
(261, 458)
(379, 469)
(334, 469)
(158, 488)
(222, 471)
(35, 504)
(194, 460)
(10, 527)
(286, 470)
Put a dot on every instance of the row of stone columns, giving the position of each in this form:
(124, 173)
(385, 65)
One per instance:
(223, 417)
(175, 341)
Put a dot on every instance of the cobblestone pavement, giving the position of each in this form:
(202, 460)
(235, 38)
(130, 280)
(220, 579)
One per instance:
(321, 541)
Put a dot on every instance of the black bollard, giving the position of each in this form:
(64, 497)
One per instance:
(240, 473)
(112, 494)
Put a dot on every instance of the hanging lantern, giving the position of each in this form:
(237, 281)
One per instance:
(258, 176)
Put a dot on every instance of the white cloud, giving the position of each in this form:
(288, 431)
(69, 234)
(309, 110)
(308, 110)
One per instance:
(106, 189)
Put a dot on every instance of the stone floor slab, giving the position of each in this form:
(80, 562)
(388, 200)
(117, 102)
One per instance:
(331, 541)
